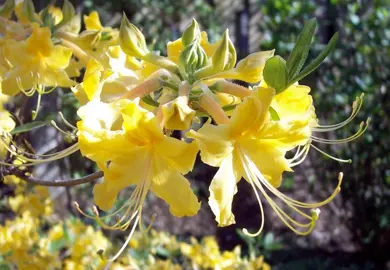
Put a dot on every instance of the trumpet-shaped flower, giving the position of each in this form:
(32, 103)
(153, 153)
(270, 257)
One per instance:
(252, 146)
(132, 149)
(35, 62)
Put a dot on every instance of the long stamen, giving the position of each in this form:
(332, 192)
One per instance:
(302, 157)
(332, 157)
(66, 122)
(356, 106)
(31, 161)
(363, 127)
(279, 194)
(258, 180)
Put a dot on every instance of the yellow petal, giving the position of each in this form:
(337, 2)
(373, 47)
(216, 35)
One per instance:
(92, 21)
(174, 189)
(91, 82)
(286, 134)
(40, 41)
(140, 125)
(59, 57)
(267, 157)
(214, 143)
(294, 102)
(223, 187)
(122, 172)
(179, 154)
(251, 114)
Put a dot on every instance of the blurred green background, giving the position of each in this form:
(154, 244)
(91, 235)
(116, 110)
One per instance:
(354, 230)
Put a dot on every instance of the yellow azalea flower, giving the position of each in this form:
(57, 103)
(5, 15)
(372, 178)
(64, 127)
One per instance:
(105, 84)
(35, 62)
(137, 153)
(252, 146)
(37, 203)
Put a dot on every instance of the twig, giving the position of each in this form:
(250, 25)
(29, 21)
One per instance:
(51, 183)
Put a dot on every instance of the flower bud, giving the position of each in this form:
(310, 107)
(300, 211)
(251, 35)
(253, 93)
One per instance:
(250, 69)
(68, 12)
(131, 40)
(191, 33)
(28, 10)
(7, 8)
(225, 56)
(192, 58)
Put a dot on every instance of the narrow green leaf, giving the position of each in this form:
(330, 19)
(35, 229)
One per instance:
(298, 56)
(316, 62)
(275, 73)
(274, 114)
(150, 101)
(29, 126)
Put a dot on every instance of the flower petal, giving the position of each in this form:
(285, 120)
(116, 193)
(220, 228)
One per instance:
(174, 189)
(214, 143)
(222, 190)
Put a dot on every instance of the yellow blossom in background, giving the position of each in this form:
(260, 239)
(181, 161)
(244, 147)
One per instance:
(37, 203)
(35, 62)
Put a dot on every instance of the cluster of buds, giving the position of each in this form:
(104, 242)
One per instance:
(132, 99)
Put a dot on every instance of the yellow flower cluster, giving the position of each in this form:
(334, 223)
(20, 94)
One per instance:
(133, 99)
(70, 244)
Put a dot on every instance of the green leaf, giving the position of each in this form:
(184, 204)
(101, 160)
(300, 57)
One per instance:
(275, 73)
(274, 114)
(29, 126)
(316, 62)
(298, 56)
(150, 101)
(4, 266)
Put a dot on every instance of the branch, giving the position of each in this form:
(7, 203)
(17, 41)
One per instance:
(52, 183)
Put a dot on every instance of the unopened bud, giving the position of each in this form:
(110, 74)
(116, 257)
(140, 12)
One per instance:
(46, 18)
(192, 58)
(191, 33)
(7, 8)
(225, 56)
(68, 12)
(131, 40)
(28, 10)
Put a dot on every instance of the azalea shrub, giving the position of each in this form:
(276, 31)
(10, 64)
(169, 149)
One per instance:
(144, 117)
